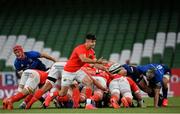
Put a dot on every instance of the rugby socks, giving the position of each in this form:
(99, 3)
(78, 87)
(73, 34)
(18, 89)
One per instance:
(17, 97)
(129, 100)
(88, 92)
(165, 92)
(28, 98)
(114, 101)
(95, 97)
(114, 98)
(76, 97)
(50, 97)
(63, 98)
(36, 96)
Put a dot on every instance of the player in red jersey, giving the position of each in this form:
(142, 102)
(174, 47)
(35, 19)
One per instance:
(81, 54)
(53, 75)
(121, 85)
(100, 78)
(30, 80)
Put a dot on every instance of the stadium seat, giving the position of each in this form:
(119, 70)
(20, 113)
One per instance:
(28, 46)
(21, 39)
(160, 43)
(38, 46)
(136, 53)
(169, 48)
(61, 25)
(148, 48)
(114, 57)
(171, 40)
(7, 48)
(125, 56)
(3, 39)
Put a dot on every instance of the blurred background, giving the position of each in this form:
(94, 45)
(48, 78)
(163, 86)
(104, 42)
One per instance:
(128, 31)
(137, 32)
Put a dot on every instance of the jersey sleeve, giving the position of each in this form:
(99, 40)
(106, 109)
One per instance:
(17, 66)
(34, 54)
(80, 50)
(158, 79)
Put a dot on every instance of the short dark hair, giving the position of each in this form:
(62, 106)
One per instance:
(90, 36)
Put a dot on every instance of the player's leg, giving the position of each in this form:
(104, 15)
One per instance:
(50, 81)
(66, 81)
(136, 92)
(30, 85)
(23, 79)
(115, 93)
(165, 90)
(85, 79)
(126, 99)
(75, 94)
(126, 93)
(98, 93)
(51, 95)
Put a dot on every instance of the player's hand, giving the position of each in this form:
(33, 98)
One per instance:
(101, 61)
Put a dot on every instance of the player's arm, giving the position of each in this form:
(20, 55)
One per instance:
(45, 55)
(89, 60)
(97, 84)
(101, 67)
(18, 69)
(20, 72)
(156, 96)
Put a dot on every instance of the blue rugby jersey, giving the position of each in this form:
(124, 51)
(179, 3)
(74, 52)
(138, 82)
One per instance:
(30, 61)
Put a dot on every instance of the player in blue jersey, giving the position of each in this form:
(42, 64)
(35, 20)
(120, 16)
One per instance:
(131, 71)
(29, 60)
(138, 74)
(158, 77)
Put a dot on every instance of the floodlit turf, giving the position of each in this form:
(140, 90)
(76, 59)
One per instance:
(174, 107)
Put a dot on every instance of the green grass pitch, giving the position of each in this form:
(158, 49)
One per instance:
(173, 107)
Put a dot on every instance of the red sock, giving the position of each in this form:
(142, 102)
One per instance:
(50, 97)
(114, 97)
(17, 97)
(129, 100)
(88, 92)
(48, 100)
(76, 97)
(63, 99)
(28, 98)
(38, 93)
(55, 93)
(36, 96)
(95, 97)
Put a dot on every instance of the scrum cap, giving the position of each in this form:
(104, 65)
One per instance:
(17, 48)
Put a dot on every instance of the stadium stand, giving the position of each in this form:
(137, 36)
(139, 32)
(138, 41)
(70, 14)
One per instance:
(136, 53)
(119, 25)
